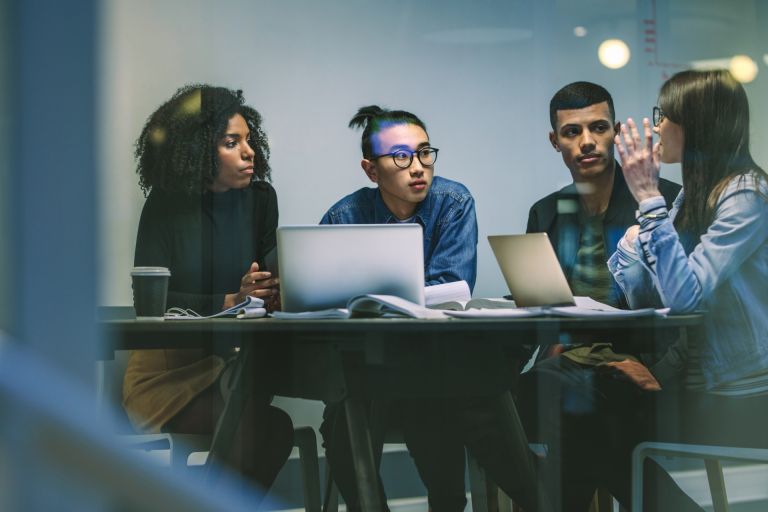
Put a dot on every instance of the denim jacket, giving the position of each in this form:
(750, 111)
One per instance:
(725, 274)
(447, 216)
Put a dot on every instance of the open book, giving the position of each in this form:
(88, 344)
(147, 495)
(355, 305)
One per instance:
(390, 306)
(457, 291)
(462, 305)
(387, 306)
(585, 307)
(452, 300)
(455, 296)
(251, 307)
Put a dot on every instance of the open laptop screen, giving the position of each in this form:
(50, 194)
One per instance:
(530, 267)
(324, 266)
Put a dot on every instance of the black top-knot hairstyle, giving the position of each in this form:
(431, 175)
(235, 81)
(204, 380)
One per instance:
(578, 95)
(176, 151)
(373, 119)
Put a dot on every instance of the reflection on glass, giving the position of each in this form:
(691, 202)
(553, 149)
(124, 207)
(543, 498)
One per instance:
(743, 68)
(613, 53)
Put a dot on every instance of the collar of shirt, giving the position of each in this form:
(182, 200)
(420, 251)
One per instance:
(422, 214)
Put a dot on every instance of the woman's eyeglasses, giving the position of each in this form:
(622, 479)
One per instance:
(658, 116)
(404, 157)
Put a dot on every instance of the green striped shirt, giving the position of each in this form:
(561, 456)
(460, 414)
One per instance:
(591, 278)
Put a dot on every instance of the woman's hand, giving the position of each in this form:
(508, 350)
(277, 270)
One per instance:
(639, 160)
(256, 284)
(631, 235)
(627, 242)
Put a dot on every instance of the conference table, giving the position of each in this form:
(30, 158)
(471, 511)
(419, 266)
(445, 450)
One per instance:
(356, 360)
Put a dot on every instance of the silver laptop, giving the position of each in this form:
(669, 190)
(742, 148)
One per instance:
(322, 267)
(530, 267)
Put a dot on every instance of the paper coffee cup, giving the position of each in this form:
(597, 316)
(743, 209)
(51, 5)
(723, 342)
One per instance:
(150, 291)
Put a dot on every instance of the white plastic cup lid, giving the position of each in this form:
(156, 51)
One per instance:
(150, 271)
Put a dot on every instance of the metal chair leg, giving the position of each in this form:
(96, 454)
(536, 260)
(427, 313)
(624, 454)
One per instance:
(304, 438)
(477, 485)
(604, 500)
(712, 456)
(332, 500)
(716, 485)
(362, 455)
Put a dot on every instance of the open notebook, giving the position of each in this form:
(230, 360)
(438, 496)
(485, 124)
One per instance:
(583, 307)
(365, 306)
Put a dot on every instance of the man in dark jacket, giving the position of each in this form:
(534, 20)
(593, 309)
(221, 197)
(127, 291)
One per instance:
(567, 401)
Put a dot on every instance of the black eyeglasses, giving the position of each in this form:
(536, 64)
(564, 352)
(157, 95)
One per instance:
(403, 158)
(658, 116)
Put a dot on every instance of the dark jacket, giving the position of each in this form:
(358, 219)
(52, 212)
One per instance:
(558, 215)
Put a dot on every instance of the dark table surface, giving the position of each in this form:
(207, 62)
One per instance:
(124, 333)
(358, 359)
(447, 350)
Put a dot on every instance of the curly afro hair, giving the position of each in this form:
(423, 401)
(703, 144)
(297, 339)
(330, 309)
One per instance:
(176, 151)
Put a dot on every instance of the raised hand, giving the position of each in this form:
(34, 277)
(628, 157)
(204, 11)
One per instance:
(631, 234)
(639, 159)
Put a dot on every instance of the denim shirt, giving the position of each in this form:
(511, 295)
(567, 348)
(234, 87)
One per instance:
(447, 216)
(725, 274)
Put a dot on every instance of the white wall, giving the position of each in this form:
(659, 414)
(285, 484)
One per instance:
(479, 73)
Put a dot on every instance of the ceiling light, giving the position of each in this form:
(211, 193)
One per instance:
(743, 68)
(613, 53)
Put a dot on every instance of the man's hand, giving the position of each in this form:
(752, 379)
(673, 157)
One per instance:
(636, 373)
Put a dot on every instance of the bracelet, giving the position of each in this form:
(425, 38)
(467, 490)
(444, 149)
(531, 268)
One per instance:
(651, 216)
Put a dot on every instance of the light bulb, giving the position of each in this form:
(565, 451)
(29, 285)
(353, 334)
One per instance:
(743, 68)
(613, 53)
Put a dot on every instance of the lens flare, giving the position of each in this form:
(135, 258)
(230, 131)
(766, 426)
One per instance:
(613, 53)
(743, 68)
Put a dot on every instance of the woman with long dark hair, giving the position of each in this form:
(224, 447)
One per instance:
(709, 252)
(210, 217)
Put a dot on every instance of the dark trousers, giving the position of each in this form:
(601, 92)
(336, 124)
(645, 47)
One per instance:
(590, 421)
(262, 440)
(436, 433)
(424, 434)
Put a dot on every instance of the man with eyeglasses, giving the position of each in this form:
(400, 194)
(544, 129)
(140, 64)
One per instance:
(585, 221)
(398, 157)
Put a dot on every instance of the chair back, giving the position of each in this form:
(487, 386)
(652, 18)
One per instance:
(109, 389)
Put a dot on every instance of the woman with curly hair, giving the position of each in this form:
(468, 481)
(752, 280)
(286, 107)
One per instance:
(210, 217)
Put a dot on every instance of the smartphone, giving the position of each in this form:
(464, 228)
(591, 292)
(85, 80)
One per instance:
(270, 262)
